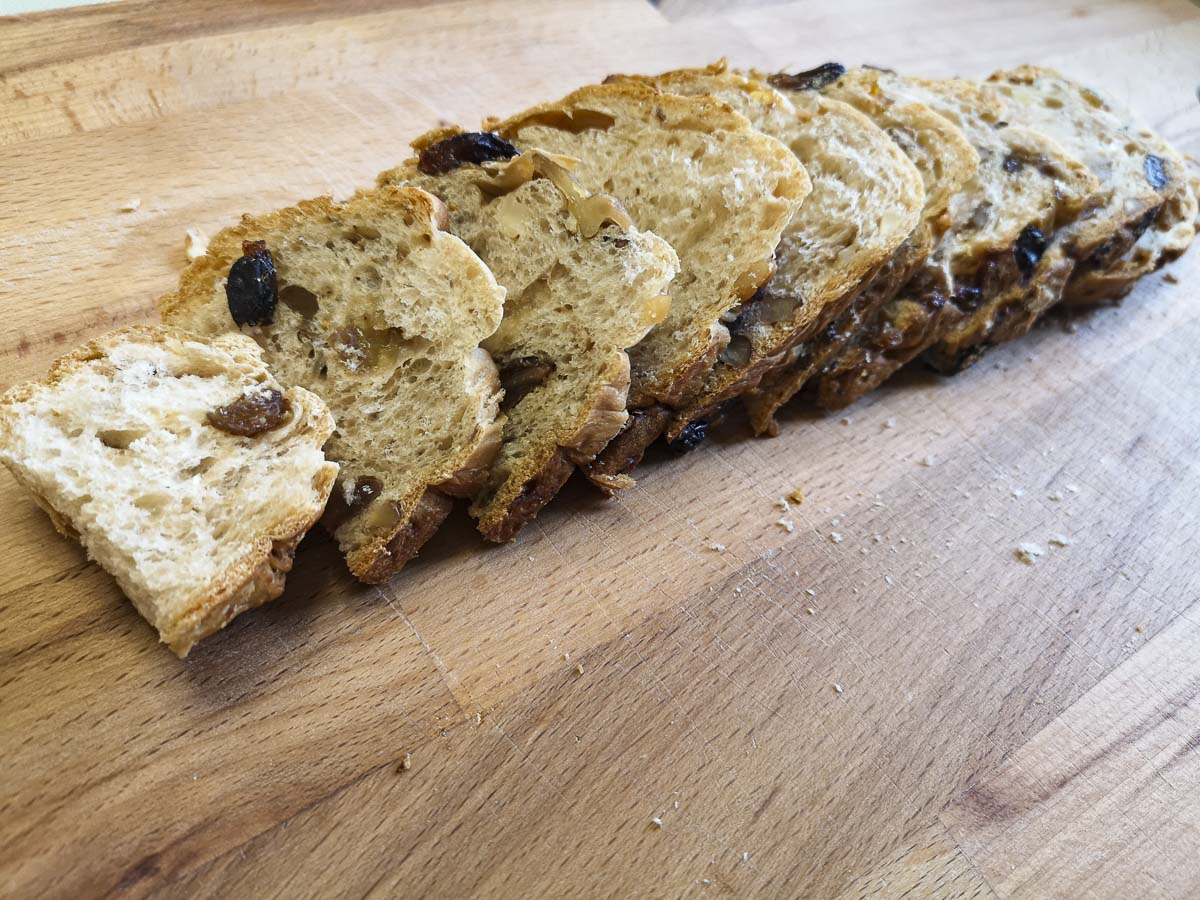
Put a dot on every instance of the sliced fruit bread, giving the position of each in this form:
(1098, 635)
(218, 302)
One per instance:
(696, 173)
(866, 200)
(945, 160)
(372, 305)
(583, 285)
(182, 466)
(1145, 187)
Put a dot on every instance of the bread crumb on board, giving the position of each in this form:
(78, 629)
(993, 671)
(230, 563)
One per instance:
(1060, 540)
(656, 822)
(133, 204)
(405, 763)
(835, 537)
(1030, 553)
(787, 525)
(715, 547)
(796, 495)
(838, 688)
(927, 461)
(195, 243)
(578, 668)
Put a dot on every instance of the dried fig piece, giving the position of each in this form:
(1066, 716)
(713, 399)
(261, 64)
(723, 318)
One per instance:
(251, 414)
(251, 286)
(460, 149)
(812, 80)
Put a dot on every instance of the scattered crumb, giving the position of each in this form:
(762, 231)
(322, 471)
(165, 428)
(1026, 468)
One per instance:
(737, 590)
(1170, 278)
(677, 804)
(195, 243)
(566, 656)
(877, 538)
(478, 719)
(863, 550)
(927, 462)
(783, 504)
(1073, 488)
(835, 537)
(530, 559)
(1018, 493)
(796, 496)
(746, 856)
(1060, 540)
(889, 580)
(717, 548)
(890, 423)
(1056, 496)
(1139, 629)
(838, 688)
(1071, 327)
(405, 763)
(845, 420)
(131, 205)
(578, 668)
(656, 822)
(1030, 553)
(787, 525)
(810, 611)
(836, 522)
(810, 592)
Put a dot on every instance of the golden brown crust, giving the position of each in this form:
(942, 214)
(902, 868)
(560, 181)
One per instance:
(536, 492)
(610, 469)
(383, 558)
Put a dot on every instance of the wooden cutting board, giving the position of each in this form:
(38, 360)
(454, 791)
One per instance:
(883, 701)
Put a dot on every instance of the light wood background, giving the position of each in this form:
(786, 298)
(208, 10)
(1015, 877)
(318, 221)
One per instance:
(1001, 729)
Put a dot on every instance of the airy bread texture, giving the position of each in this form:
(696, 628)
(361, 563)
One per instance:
(583, 284)
(1145, 188)
(120, 445)
(945, 160)
(381, 313)
(866, 199)
(696, 173)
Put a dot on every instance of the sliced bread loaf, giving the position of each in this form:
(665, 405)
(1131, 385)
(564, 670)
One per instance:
(583, 285)
(945, 160)
(373, 306)
(182, 466)
(1144, 185)
(696, 173)
(866, 200)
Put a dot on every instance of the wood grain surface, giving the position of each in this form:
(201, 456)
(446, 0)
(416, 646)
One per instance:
(909, 711)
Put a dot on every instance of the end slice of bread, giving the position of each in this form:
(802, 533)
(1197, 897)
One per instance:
(380, 312)
(583, 285)
(865, 201)
(696, 173)
(182, 466)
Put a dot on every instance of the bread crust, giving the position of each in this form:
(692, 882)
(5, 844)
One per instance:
(258, 575)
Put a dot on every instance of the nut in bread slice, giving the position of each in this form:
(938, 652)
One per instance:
(380, 312)
(696, 173)
(865, 201)
(583, 284)
(182, 466)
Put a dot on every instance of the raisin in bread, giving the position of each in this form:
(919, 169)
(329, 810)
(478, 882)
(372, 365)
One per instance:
(583, 285)
(945, 160)
(1143, 180)
(180, 464)
(696, 173)
(866, 200)
(373, 306)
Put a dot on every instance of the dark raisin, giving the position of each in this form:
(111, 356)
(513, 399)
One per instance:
(459, 149)
(1000, 124)
(1138, 228)
(1013, 163)
(690, 438)
(366, 489)
(812, 80)
(300, 300)
(967, 297)
(251, 414)
(522, 375)
(251, 286)
(1030, 246)
(1155, 173)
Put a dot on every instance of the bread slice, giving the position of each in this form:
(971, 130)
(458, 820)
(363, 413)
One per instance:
(945, 159)
(697, 174)
(182, 466)
(583, 284)
(1145, 188)
(866, 200)
(998, 264)
(380, 312)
